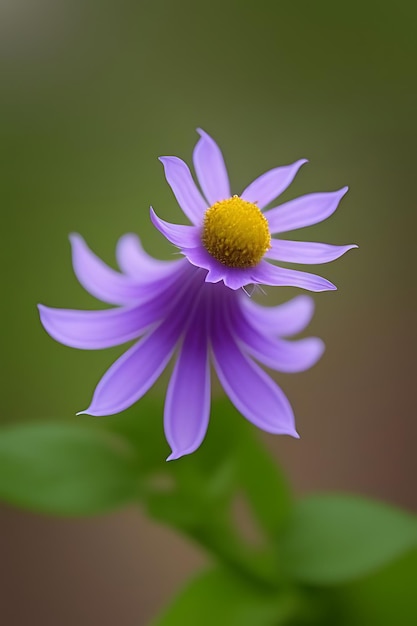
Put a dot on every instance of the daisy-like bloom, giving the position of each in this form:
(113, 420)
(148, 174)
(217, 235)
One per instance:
(198, 304)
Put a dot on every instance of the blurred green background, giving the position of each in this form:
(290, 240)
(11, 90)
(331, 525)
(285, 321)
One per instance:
(92, 92)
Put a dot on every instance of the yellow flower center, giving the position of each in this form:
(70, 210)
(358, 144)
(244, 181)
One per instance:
(236, 233)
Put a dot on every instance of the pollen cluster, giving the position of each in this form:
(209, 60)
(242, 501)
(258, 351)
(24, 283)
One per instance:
(236, 233)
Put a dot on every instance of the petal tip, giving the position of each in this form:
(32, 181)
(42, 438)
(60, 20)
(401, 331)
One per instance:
(75, 238)
(320, 348)
(307, 301)
(341, 192)
(174, 456)
(212, 278)
(322, 344)
(154, 217)
(326, 285)
(43, 314)
(166, 160)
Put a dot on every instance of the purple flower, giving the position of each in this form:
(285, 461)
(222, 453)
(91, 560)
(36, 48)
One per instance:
(197, 303)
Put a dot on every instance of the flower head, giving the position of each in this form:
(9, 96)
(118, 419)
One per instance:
(197, 305)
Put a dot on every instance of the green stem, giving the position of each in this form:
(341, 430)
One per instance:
(221, 540)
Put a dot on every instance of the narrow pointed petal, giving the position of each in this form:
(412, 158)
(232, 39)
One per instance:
(304, 211)
(283, 320)
(130, 377)
(211, 169)
(305, 252)
(184, 188)
(99, 279)
(136, 262)
(286, 356)
(249, 388)
(232, 277)
(187, 405)
(271, 184)
(267, 274)
(235, 278)
(94, 330)
(279, 354)
(178, 234)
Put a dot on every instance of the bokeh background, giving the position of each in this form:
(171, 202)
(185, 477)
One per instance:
(92, 92)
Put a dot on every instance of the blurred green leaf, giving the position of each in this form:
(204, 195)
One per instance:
(142, 426)
(336, 538)
(220, 597)
(256, 473)
(264, 484)
(198, 493)
(386, 598)
(231, 458)
(65, 469)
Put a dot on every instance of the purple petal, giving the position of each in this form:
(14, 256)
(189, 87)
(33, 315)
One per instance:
(283, 320)
(286, 356)
(94, 330)
(250, 389)
(268, 274)
(199, 257)
(98, 278)
(304, 251)
(134, 261)
(187, 405)
(279, 354)
(130, 377)
(188, 197)
(304, 211)
(179, 235)
(211, 169)
(271, 184)
(233, 277)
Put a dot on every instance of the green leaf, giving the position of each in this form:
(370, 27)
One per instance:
(264, 484)
(65, 469)
(230, 460)
(258, 475)
(386, 598)
(142, 426)
(337, 538)
(219, 597)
